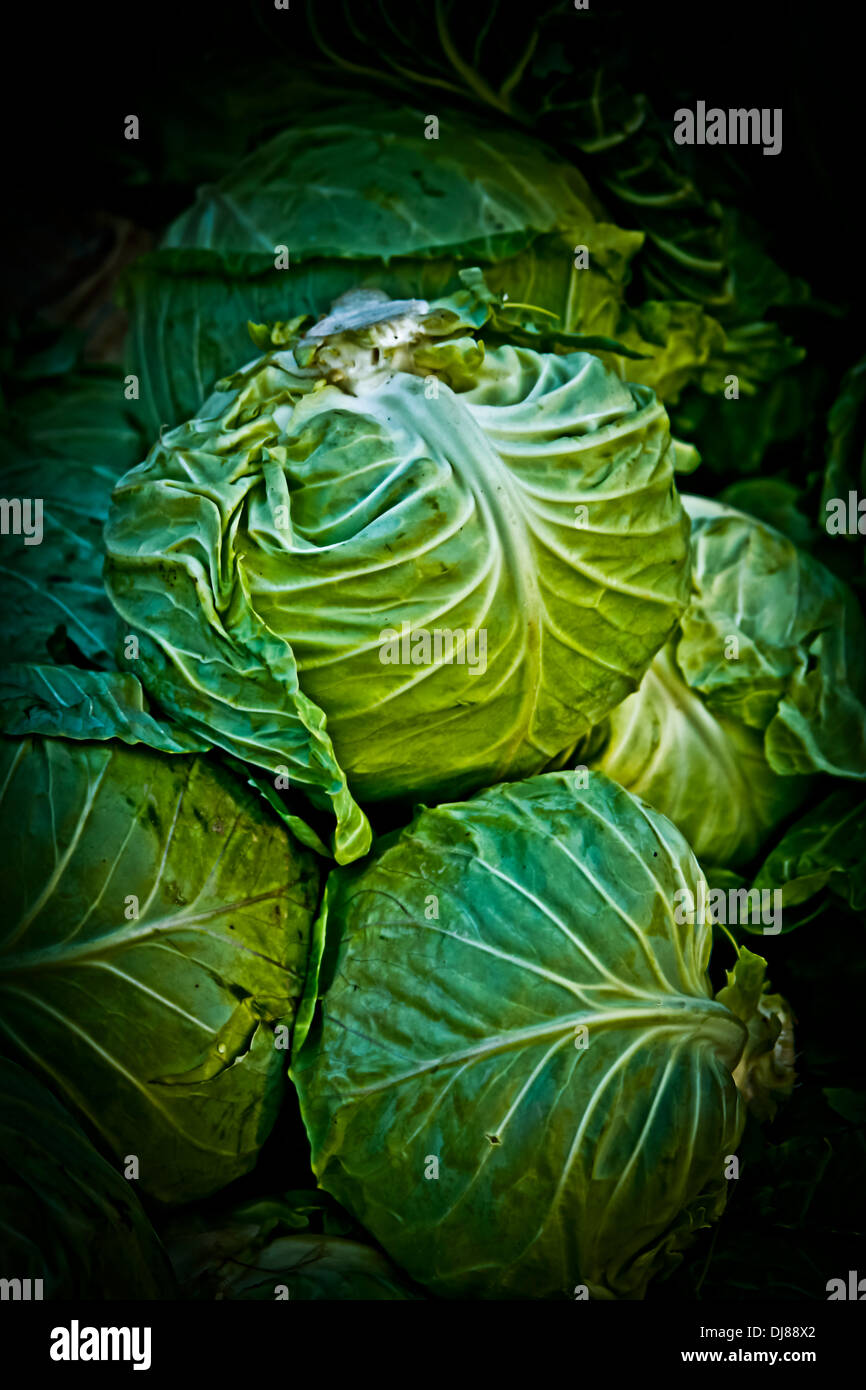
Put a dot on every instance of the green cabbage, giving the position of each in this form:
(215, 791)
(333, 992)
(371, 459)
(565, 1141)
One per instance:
(361, 197)
(155, 934)
(356, 199)
(517, 1078)
(762, 687)
(390, 477)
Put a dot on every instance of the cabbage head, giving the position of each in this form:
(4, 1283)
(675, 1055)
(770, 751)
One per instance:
(518, 1078)
(762, 688)
(154, 942)
(402, 214)
(358, 195)
(385, 563)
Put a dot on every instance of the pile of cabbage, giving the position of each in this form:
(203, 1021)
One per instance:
(364, 734)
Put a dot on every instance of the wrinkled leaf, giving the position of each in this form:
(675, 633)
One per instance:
(799, 673)
(824, 848)
(68, 703)
(67, 447)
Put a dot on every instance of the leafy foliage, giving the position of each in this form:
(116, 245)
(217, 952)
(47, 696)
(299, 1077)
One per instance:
(354, 200)
(846, 442)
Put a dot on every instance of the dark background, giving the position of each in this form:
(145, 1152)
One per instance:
(74, 72)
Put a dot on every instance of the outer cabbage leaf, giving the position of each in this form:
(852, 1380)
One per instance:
(679, 345)
(156, 930)
(765, 1072)
(800, 671)
(264, 549)
(845, 469)
(363, 197)
(260, 1251)
(459, 966)
(825, 848)
(68, 1217)
(678, 342)
(64, 702)
(706, 773)
(763, 685)
(359, 185)
(66, 445)
(776, 502)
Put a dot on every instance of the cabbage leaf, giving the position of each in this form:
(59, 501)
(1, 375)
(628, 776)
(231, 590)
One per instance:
(68, 1216)
(65, 444)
